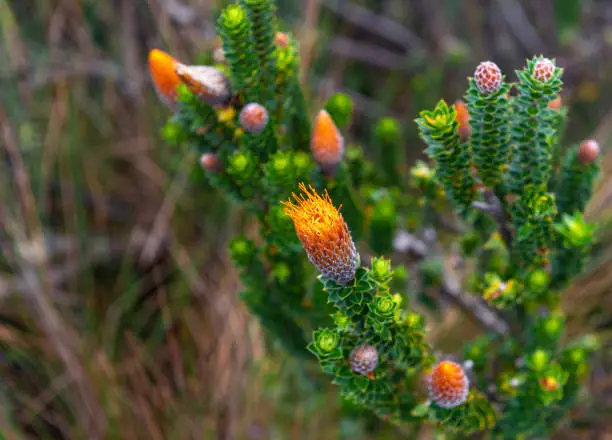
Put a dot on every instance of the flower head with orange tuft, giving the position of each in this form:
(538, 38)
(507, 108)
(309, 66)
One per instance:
(448, 385)
(324, 234)
(165, 79)
(327, 144)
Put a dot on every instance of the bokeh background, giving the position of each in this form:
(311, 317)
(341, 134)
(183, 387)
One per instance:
(119, 314)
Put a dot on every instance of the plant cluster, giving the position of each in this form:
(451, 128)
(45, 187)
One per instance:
(494, 162)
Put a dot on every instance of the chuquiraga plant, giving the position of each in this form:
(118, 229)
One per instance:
(248, 119)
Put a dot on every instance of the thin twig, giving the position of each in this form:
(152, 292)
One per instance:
(377, 24)
(494, 208)
(408, 244)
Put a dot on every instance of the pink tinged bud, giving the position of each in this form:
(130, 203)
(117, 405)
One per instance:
(588, 151)
(448, 385)
(543, 70)
(206, 82)
(488, 77)
(364, 360)
(210, 162)
(281, 39)
(254, 118)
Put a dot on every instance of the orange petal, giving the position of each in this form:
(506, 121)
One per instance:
(162, 67)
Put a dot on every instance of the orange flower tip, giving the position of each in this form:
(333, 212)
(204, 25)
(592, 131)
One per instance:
(254, 118)
(324, 234)
(463, 118)
(165, 80)
(549, 383)
(206, 82)
(543, 70)
(210, 162)
(364, 360)
(556, 103)
(281, 39)
(327, 144)
(488, 77)
(448, 385)
(588, 151)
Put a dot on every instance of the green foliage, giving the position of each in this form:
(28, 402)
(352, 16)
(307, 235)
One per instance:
(439, 128)
(490, 124)
(388, 141)
(517, 239)
(533, 128)
(340, 108)
(575, 184)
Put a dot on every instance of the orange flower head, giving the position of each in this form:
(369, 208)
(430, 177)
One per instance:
(327, 144)
(324, 234)
(543, 70)
(488, 77)
(588, 151)
(206, 82)
(448, 385)
(463, 118)
(364, 360)
(165, 80)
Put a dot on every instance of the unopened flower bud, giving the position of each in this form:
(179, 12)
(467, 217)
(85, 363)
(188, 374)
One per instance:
(543, 70)
(254, 118)
(165, 80)
(448, 385)
(210, 162)
(463, 118)
(549, 383)
(588, 151)
(206, 82)
(364, 359)
(327, 144)
(281, 39)
(488, 77)
(556, 103)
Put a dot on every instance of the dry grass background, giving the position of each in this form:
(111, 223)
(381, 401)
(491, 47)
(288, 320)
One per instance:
(119, 312)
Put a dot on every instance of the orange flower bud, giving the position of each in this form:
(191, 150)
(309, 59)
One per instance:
(488, 77)
(448, 385)
(281, 39)
(556, 103)
(549, 383)
(588, 151)
(543, 70)
(254, 118)
(463, 118)
(165, 80)
(324, 235)
(206, 82)
(327, 144)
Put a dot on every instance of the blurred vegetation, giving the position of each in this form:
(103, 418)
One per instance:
(119, 312)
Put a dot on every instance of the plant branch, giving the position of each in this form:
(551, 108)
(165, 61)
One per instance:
(407, 244)
(494, 208)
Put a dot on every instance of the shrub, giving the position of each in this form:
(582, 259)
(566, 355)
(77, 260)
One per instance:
(522, 234)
